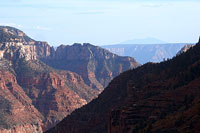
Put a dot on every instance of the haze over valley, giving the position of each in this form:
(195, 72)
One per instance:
(100, 66)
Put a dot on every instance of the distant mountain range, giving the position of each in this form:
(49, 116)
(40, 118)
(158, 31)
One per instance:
(153, 98)
(149, 40)
(146, 52)
(39, 86)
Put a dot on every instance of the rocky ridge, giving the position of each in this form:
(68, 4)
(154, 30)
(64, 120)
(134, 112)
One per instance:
(156, 97)
(97, 66)
(40, 96)
(16, 111)
(52, 93)
(185, 49)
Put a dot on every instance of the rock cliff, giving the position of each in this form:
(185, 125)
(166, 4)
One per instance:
(185, 49)
(156, 97)
(41, 86)
(97, 66)
(15, 44)
(16, 109)
(51, 93)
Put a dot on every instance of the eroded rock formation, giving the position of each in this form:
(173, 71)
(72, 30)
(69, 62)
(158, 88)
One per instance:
(97, 66)
(156, 97)
(37, 96)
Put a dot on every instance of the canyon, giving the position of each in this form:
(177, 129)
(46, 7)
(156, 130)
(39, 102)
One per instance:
(155, 97)
(154, 52)
(40, 86)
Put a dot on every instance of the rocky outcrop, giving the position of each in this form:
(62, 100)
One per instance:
(44, 94)
(156, 97)
(185, 49)
(52, 96)
(44, 50)
(55, 94)
(10, 34)
(27, 128)
(14, 44)
(40, 96)
(97, 66)
(16, 109)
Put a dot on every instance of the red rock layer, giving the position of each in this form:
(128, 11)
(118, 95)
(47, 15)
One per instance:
(28, 128)
(161, 97)
(16, 107)
(40, 94)
(52, 96)
(97, 66)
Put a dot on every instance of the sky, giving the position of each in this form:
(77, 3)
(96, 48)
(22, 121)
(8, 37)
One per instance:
(103, 22)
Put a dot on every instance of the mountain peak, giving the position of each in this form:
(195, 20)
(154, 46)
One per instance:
(84, 44)
(87, 44)
(11, 34)
(80, 73)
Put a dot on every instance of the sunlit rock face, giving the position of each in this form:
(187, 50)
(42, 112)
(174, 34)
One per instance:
(16, 110)
(38, 96)
(185, 49)
(14, 44)
(41, 86)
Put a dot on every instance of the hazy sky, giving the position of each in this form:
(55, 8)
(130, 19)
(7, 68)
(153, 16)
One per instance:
(103, 21)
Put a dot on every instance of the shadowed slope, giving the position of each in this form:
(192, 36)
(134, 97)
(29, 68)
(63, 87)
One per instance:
(143, 99)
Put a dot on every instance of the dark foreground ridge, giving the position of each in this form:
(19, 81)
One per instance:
(162, 98)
